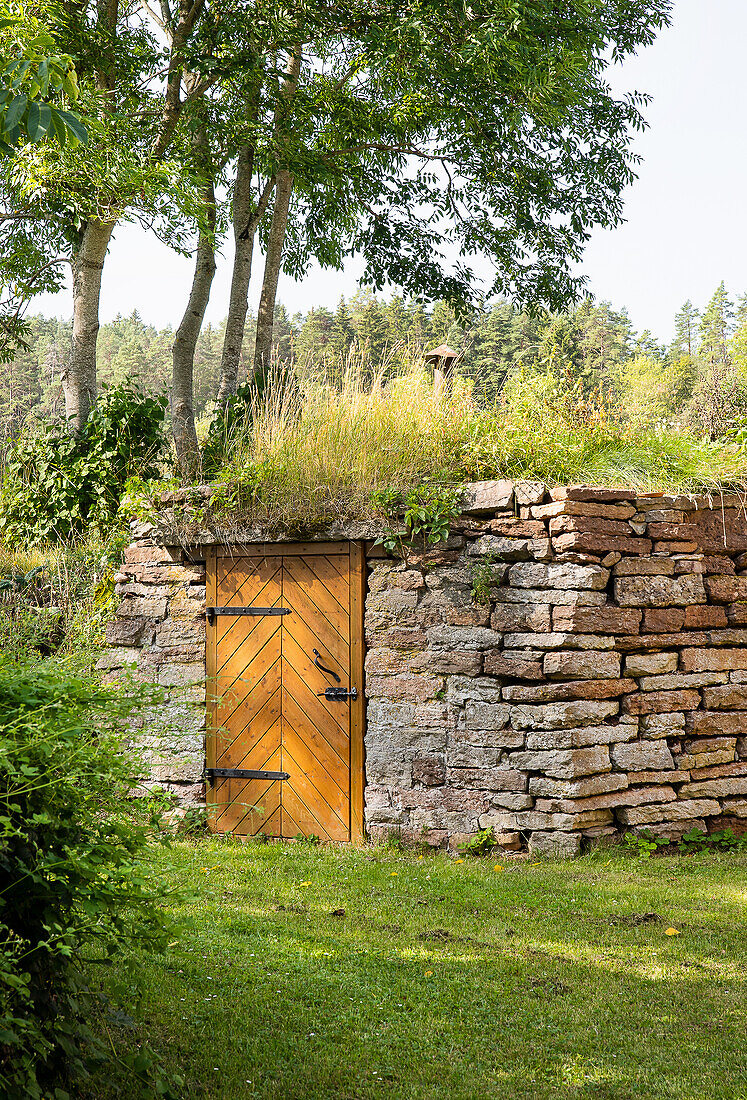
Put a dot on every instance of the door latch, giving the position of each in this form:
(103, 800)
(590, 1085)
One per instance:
(333, 693)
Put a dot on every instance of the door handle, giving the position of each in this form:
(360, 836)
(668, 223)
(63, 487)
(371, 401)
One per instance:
(318, 663)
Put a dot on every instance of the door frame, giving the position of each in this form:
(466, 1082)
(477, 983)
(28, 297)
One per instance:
(357, 554)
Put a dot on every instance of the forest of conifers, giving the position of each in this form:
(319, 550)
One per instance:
(699, 379)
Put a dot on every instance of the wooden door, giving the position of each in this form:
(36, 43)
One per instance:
(302, 608)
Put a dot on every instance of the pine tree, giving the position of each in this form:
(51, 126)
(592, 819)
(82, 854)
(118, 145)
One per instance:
(716, 327)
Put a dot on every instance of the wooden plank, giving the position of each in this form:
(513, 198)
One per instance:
(357, 679)
(211, 722)
(335, 765)
(294, 745)
(286, 549)
(333, 651)
(316, 592)
(304, 680)
(244, 579)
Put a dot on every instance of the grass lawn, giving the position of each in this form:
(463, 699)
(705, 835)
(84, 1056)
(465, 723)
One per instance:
(303, 972)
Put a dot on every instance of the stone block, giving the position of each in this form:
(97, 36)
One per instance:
(429, 771)
(726, 589)
(591, 493)
(555, 845)
(589, 525)
(718, 771)
(515, 528)
(542, 786)
(462, 689)
(143, 607)
(701, 660)
(673, 830)
(181, 675)
(716, 788)
(466, 755)
(663, 620)
(556, 640)
(459, 639)
(487, 496)
(486, 716)
(649, 567)
(403, 689)
(130, 632)
(581, 737)
(550, 596)
(600, 544)
(706, 754)
(650, 664)
(392, 600)
(671, 811)
(655, 727)
(561, 715)
(516, 667)
(529, 492)
(120, 657)
(447, 662)
(640, 796)
(507, 800)
(585, 664)
(564, 763)
(678, 680)
(515, 617)
(567, 690)
(565, 822)
(702, 615)
(558, 575)
(655, 702)
(602, 509)
(642, 755)
(383, 712)
(153, 555)
(728, 697)
(596, 620)
(171, 632)
(705, 723)
(659, 591)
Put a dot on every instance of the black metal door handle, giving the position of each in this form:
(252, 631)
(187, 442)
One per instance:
(318, 663)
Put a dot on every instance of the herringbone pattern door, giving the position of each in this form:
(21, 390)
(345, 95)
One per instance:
(269, 711)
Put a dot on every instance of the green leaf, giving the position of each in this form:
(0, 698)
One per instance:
(75, 127)
(15, 112)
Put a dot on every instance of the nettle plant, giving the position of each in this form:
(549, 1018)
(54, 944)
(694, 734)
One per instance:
(425, 512)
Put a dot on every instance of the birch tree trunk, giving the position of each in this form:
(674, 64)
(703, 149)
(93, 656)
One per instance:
(79, 378)
(246, 218)
(273, 263)
(185, 342)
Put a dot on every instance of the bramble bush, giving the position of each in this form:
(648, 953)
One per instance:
(57, 484)
(75, 878)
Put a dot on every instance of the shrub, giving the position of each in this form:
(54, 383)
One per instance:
(57, 484)
(73, 876)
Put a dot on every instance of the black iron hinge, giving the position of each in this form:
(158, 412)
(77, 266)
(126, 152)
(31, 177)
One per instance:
(211, 612)
(211, 774)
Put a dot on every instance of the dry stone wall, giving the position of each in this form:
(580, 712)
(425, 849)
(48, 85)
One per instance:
(601, 685)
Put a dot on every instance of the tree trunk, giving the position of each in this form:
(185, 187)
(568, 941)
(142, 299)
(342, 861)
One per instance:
(79, 379)
(185, 342)
(246, 219)
(273, 262)
(276, 239)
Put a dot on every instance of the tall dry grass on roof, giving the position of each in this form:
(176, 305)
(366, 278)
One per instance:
(321, 443)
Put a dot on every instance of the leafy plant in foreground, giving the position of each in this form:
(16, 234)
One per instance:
(58, 484)
(480, 844)
(74, 877)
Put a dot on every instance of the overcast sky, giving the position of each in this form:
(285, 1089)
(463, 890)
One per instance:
(685, 229)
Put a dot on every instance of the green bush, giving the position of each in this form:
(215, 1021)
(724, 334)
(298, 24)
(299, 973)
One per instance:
(74, 877)
(57, 484)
